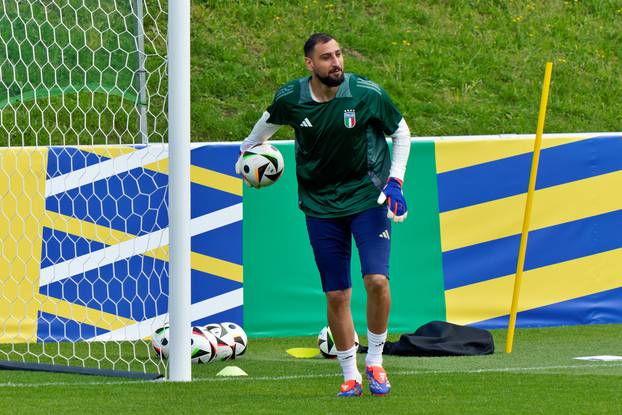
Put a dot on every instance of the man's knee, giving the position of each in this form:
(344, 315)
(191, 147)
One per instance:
(338, 297)
(376, 283)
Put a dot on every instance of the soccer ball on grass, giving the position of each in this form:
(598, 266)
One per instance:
(327, 345)
(159, 341)
(230, 334)
(203, 344)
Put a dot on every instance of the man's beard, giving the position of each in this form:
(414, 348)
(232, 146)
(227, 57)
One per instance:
(329, 81)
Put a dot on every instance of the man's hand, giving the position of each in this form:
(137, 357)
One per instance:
(238, 164)
(238, 168)
(396, 204)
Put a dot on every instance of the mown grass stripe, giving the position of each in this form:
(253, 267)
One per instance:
(509, 176)
(320, 375)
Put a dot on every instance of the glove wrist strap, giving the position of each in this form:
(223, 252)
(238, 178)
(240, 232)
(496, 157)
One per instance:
(395, 179)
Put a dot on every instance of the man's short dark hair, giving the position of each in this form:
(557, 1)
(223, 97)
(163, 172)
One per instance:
(313, 40)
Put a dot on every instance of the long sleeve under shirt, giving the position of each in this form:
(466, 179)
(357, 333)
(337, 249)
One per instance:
(342, 158)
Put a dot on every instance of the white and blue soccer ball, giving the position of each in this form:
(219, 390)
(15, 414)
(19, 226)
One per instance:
(262, 165)
(203, 346)
(326, 343)
(160, 340)
(225, 347)
(214, 328)
(232, 338)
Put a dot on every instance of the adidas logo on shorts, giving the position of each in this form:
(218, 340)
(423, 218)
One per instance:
(306, 123)
(385, 234)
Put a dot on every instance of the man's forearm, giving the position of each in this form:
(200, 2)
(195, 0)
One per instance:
(401, 150)
(260, 133)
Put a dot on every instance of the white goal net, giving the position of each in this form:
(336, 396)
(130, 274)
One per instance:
(83, 182)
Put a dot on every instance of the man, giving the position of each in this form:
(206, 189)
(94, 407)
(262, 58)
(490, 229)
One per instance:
(345, 179)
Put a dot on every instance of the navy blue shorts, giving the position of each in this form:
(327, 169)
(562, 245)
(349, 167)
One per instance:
(331, 240)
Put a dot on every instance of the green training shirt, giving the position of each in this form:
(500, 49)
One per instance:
(342, 157)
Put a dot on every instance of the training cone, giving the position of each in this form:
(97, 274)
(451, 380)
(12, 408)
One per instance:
(303, 352)
(232, 371)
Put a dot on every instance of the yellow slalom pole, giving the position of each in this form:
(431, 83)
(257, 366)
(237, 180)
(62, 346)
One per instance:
(526, 219)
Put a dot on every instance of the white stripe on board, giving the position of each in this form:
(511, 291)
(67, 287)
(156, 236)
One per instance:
(198, 310)
(103, 257)
(136, 246)
(216, 219)
(105, 169)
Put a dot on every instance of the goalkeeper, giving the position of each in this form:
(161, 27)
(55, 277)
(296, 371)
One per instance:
(348, 185)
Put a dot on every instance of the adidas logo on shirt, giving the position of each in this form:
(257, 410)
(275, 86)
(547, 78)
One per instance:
(306, 123)
(385, 234)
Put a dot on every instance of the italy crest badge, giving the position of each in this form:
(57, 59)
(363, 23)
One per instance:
(349, 118)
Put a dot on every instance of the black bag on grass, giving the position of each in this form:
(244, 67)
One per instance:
(439, 338)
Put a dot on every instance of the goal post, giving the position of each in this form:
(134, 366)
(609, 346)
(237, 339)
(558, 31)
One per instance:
(94, 183)
(179, 193)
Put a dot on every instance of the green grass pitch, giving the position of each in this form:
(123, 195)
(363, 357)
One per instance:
(541, 376)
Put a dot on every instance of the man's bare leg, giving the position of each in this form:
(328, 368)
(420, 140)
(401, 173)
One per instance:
(342, 327)
(378, 305)
(378, 302)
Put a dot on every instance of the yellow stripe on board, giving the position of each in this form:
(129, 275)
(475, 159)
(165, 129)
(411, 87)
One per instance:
(82, 314)
(540, 287)
(216, 180)
(199, 175)
(205, 177)
(84, 229)
(159, 253)
(456, 154)
(218, 267)
(107, 151)
(22, 203)
(207, 264)
(552, 206)
(161, 166)
(204, 263)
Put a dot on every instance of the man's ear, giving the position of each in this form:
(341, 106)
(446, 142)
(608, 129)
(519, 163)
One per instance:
(309, 63)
